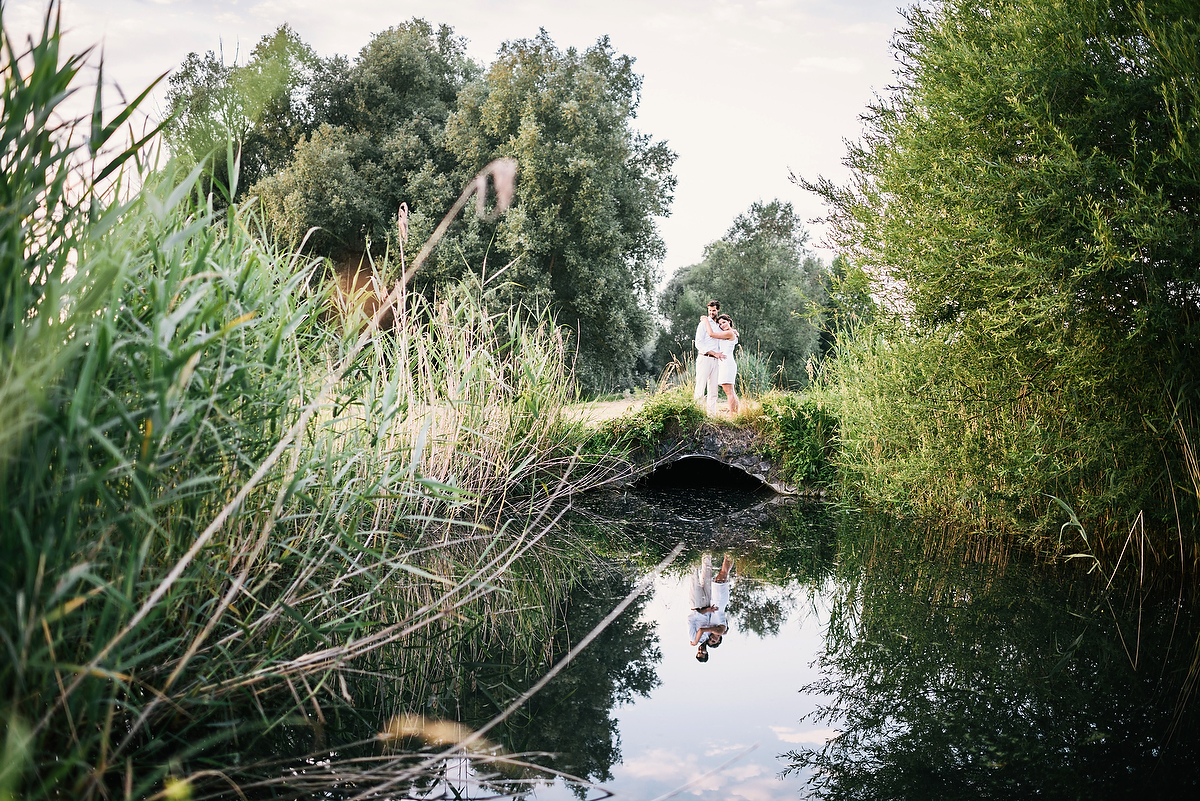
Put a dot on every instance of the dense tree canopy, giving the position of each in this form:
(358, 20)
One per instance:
(377, 143)
(263, 107)
(1033, 184)
(581, 236)
(765, 280)
(333, 147)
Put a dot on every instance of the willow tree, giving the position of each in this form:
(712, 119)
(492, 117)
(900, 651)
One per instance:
(1032, 183)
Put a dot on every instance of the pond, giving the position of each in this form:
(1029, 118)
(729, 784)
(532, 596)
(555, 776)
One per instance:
(864, 659)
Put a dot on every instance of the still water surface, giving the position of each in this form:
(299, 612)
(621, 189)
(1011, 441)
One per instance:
(865, 659)
(718, 727)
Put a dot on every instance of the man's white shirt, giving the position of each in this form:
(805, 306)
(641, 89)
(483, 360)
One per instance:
(705, 342)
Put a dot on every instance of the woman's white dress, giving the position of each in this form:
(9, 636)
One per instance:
(727, 367)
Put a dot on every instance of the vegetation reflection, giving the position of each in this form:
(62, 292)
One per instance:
(958, 669)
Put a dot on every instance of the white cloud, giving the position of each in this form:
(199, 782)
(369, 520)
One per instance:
(742, 772)
(764, 789)
(809, 737)
(726, 749)
(745, 781)
(661, 765)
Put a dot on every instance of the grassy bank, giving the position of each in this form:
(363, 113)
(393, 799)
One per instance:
(792, 429)
(924, 432)
(223, 508)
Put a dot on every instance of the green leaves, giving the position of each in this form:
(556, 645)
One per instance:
(372, 140)
(1027, 191)
(801, 435)
(332, 148)
(580, 239)
(259, 109)
(765, 281)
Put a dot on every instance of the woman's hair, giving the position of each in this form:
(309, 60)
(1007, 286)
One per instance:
(721, 317)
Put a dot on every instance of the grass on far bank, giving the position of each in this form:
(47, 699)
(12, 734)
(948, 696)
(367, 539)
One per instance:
(793, 429)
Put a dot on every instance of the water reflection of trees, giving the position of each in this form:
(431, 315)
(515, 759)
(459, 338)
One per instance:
(572, 718)
(975, 674)
(324, 739)
(781, 566)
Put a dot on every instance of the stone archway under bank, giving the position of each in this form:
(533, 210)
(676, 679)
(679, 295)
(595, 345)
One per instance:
(714, 456)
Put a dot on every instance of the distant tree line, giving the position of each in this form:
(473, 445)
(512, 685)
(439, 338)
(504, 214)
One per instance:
(331, 147)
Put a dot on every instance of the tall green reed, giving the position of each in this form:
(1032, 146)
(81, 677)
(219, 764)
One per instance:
(39, 292)
(930, 430)
(218, 506)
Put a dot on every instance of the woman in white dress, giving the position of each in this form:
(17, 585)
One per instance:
(727, 339)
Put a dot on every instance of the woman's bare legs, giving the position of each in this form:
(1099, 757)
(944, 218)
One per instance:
(723, 575)
(734, 404)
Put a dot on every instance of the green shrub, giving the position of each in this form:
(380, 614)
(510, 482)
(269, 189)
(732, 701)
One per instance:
(753, 374)
(1028, 193)
(931, 431)
(646, 426)
(800, 434)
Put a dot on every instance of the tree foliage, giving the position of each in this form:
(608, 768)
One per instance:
(1032, 183)
(261, 108)
(765, 280)
(411, 120)
(377, 142)
(581, 236)
(849, 303)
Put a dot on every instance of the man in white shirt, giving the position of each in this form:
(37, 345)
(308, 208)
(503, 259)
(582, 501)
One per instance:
(708, 355)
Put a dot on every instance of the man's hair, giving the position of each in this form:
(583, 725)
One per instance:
(716, 303)
(702, 654)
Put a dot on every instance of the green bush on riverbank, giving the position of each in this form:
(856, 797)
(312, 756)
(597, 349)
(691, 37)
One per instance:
(793, 430)
(669, 413)
(801, 435)
(1029, 194)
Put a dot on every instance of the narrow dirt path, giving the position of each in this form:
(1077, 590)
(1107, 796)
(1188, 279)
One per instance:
(600, 411)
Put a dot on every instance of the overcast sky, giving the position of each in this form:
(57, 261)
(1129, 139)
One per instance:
(742, 91)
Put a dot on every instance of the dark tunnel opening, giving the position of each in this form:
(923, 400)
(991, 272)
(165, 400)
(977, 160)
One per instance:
(700, 471)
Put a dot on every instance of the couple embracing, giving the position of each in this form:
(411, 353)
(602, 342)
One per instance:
(715, 341)
(707, 621)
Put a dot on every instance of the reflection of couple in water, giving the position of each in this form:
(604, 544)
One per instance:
(710, 595)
